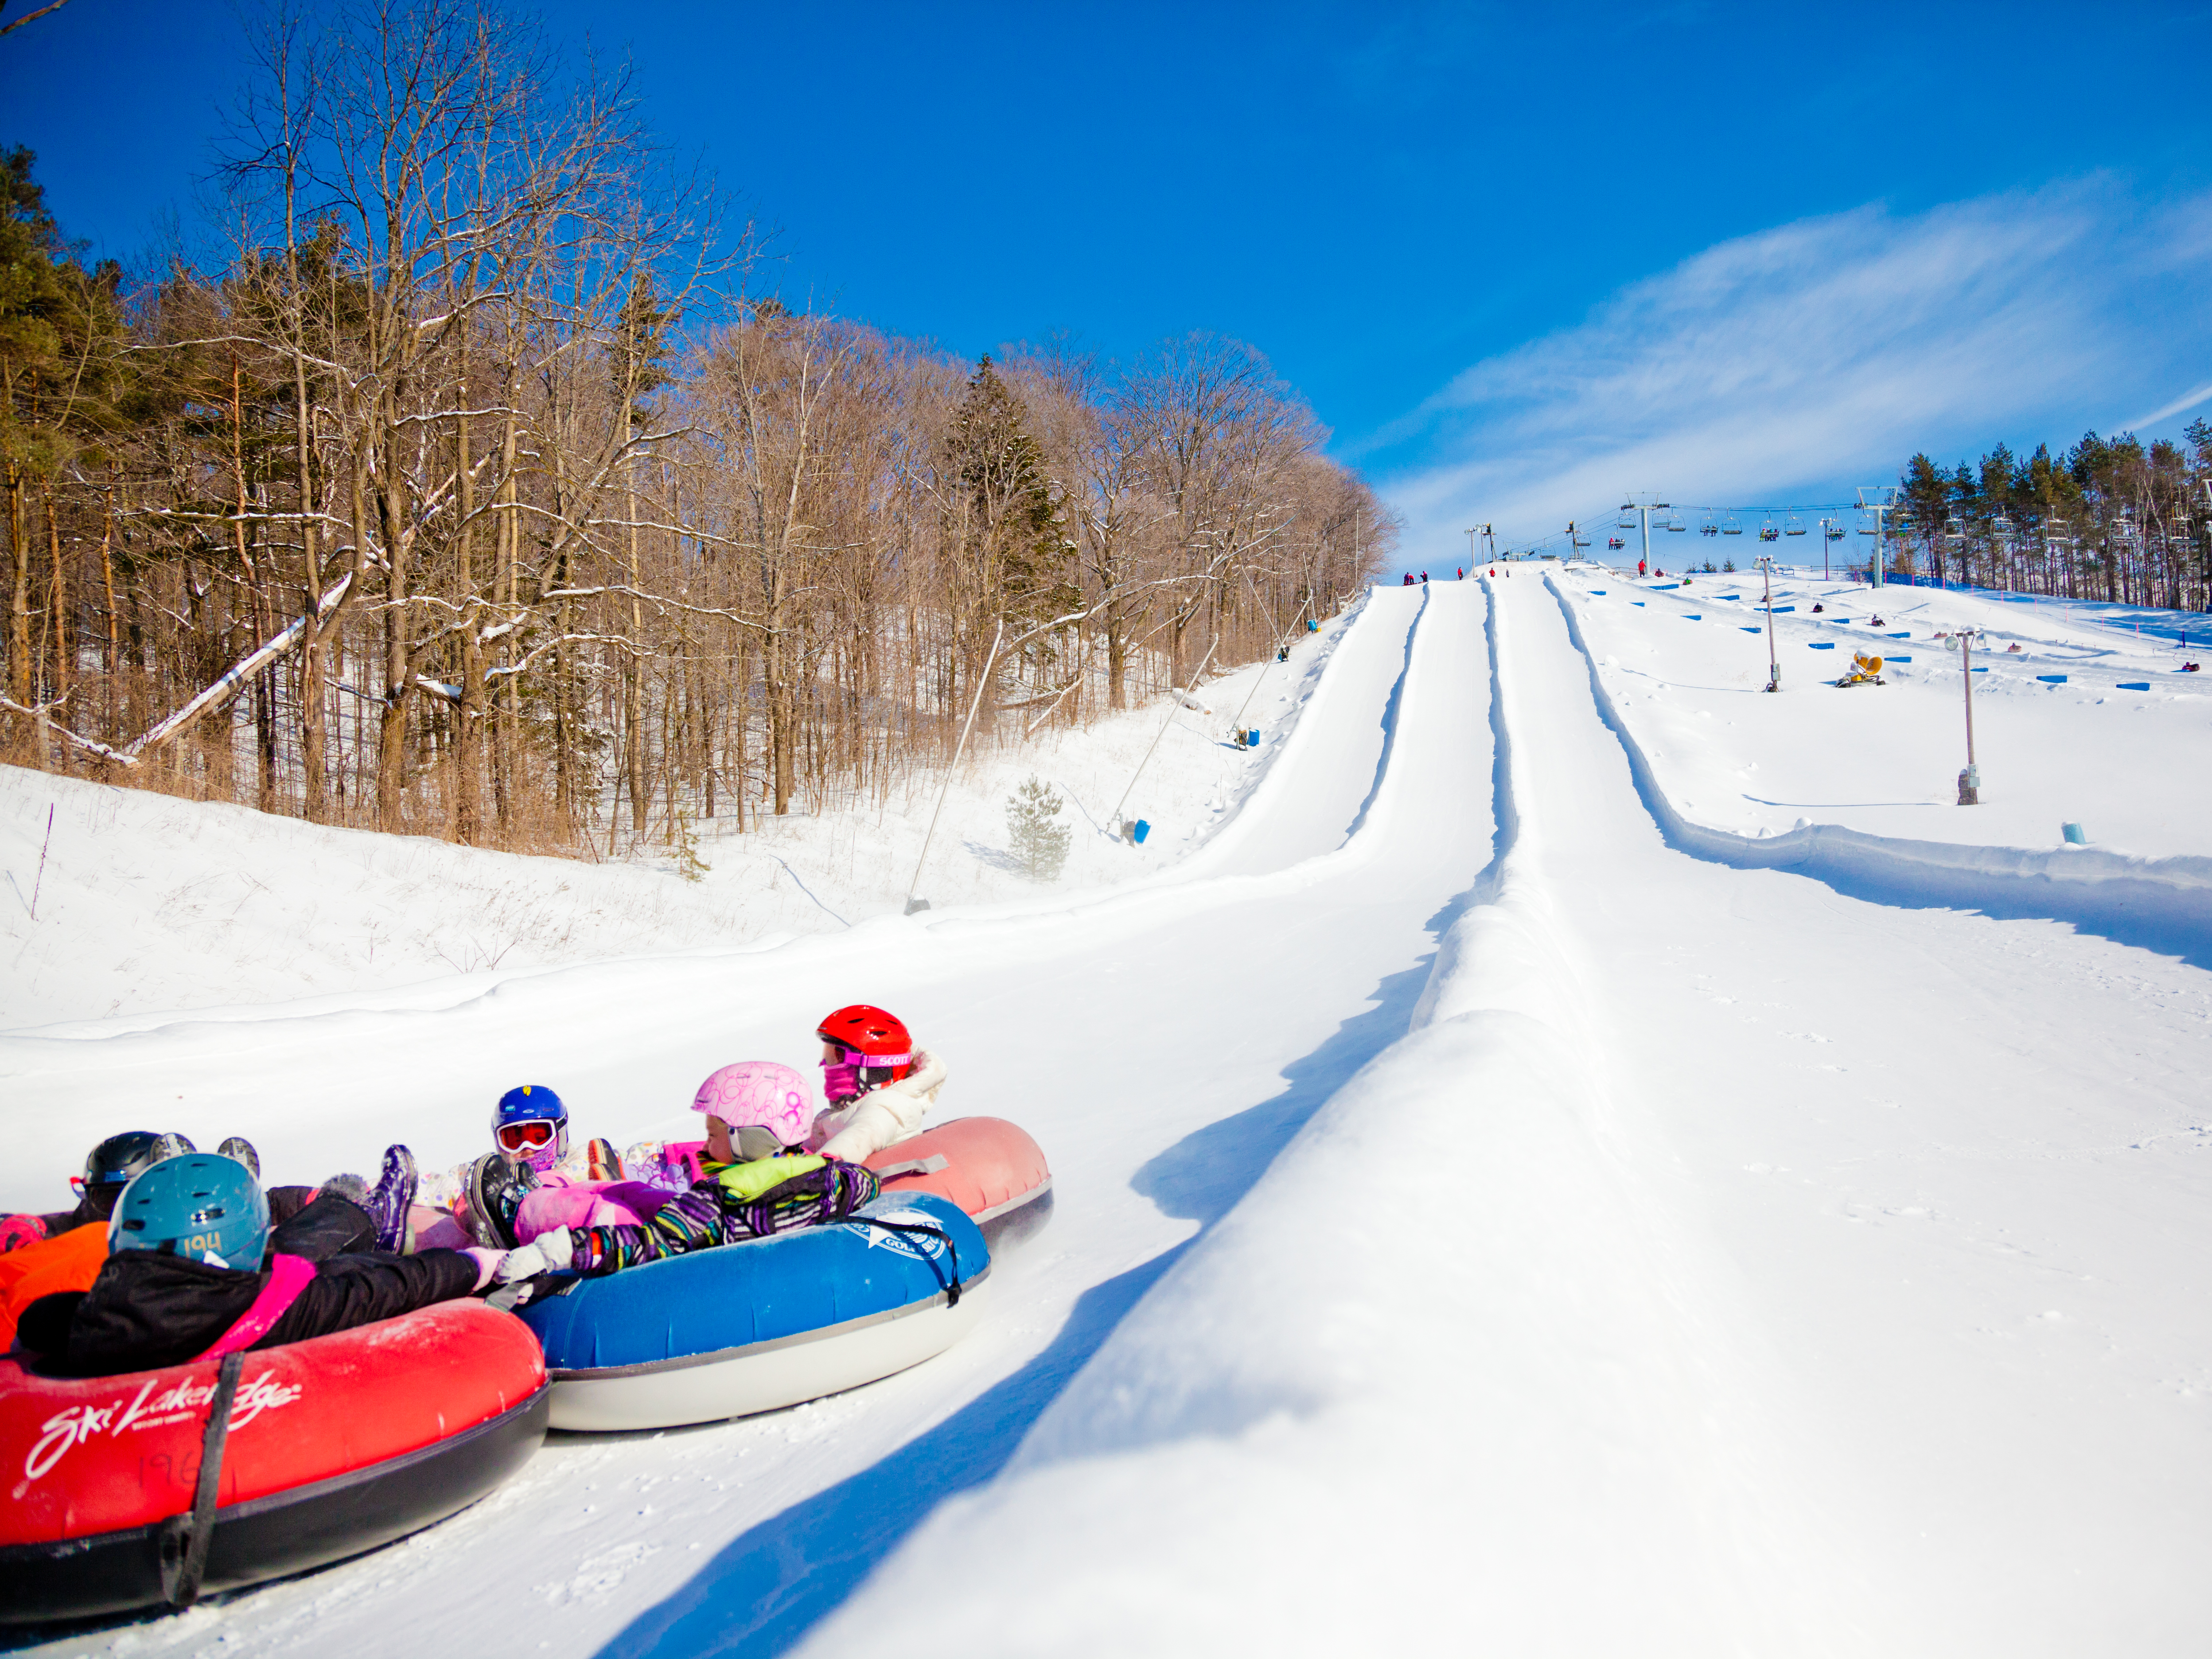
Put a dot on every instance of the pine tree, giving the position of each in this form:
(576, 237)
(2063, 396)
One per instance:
(1033, 832)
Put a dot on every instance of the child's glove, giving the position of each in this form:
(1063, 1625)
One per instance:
(549, 1253)
(18, 1230)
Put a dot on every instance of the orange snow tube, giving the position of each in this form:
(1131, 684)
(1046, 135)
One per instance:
(333, 1446)
(989, 1167)
(66, 1262)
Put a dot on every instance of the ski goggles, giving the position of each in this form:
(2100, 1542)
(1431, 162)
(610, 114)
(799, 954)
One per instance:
(854, 1057)
(527, 1135)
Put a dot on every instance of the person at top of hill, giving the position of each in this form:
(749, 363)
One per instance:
(1408, 582)
(1425, 579)
(195, 1268)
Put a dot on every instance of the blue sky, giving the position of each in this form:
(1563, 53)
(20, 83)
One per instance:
(1521, 260)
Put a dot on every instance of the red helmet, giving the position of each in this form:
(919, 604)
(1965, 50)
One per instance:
(870, 1038)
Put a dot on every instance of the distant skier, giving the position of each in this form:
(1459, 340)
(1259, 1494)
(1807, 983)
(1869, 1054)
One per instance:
(1640, 567)
(1459, 573)
(1409, 579)
(1425, 579)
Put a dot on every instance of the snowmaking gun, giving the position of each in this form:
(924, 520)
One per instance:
(1864, 670)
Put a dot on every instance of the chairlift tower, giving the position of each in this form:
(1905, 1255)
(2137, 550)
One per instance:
(1877, 499)
(1643, 504)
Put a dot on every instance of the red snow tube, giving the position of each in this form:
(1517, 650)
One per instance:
(991, 1169)
(335, 1446)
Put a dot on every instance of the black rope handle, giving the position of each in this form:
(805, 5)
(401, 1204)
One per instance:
(952, 1289)
(185, 1538)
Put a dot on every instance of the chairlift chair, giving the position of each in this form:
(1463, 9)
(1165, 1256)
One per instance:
(1676, 523)
(1835, 532)
(1709, 528)
(1769, 531)
(1625, 521)
(1793, 526)
(1730, 527)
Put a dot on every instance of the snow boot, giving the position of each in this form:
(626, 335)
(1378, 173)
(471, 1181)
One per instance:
(239, 1147)
(496, 1189)
(394, 1196)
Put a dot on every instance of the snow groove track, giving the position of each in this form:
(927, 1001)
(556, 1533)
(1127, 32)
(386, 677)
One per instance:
(1494, 1377)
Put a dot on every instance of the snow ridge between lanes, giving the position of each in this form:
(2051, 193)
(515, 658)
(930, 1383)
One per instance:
(1445, 1350)
(2160, 903)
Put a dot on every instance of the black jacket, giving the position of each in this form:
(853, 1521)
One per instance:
(145, 1311)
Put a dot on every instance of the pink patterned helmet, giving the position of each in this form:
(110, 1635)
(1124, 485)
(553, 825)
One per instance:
(759, 1092)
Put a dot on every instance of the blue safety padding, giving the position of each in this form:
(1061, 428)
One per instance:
(1821, 645)
(2052, 679)
(1779, 609)
(1897, 660)
(1693, 619)
(1598, 592)
(1901, 636)
(1731, 596)
(2135, 686)
(1748, 630)
(1981, 670)
(735, 1295)
(1638, 603)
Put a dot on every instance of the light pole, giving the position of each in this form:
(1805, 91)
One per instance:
(1877, 499)
(1970, 781)
(1774, 662)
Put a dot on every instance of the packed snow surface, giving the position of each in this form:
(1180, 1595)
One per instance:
(1495, 1213)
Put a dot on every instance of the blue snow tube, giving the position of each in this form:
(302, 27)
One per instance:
(759, 1326)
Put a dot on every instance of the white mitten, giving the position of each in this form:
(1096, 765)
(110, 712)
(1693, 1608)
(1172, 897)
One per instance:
(546, 1253)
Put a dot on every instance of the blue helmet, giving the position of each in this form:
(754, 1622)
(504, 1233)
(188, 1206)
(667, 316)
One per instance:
(532, 1104)
(200, 1204)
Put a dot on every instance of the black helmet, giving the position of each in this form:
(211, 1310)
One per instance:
(116, 1160)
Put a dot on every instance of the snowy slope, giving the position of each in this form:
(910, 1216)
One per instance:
(1686, 667)
(1759, 1301)
(1488, 1219)
(147, 904)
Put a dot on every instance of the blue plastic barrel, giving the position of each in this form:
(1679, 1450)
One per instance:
(1252, 738)
(1142, 829)
(1312, 625)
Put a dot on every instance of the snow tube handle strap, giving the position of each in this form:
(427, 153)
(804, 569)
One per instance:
(914, 1166)
(910, 1228)
(288, 1275)
(185, 1538)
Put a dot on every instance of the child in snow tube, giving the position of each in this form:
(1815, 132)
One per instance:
(880, 1085)
(45, 1255)
(169, 1292)
(755, 1179)
(530, 1131)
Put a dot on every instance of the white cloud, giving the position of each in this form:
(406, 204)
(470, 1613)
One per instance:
(1791, 364)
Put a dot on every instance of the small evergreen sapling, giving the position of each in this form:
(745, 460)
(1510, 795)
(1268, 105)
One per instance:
(1033, 832)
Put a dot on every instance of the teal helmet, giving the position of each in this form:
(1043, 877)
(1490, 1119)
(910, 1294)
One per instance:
(201, 1204)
